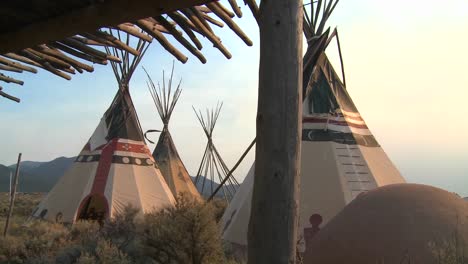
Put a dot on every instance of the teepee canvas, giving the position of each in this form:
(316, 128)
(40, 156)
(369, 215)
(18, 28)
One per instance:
(165, 153)
(340, 160)
(115, 168)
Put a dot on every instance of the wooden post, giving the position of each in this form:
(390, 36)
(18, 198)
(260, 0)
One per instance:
(12, 196)
(11, 187)
(272, 235)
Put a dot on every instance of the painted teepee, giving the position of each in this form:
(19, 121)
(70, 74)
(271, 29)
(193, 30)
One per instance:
(165, 153)
(115, 168)
(340, 157)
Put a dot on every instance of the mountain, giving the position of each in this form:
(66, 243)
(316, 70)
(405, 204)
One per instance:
(26, 165)
(51, 171)
(27, 182)
(38, 176)
(35, 176)
(209, 185)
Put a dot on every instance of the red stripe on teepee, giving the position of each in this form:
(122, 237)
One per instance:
(103, 168)
(105, 162)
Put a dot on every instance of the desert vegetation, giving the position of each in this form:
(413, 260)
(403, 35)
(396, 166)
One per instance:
(186, 233)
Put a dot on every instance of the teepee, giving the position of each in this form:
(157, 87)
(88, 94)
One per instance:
(165, 153)
(115, 168)
(340, 157)
(212, 166)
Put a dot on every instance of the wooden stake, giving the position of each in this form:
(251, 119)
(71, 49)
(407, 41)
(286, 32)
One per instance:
(187, 27)
(9, 79)
(199, 15)
(7, 96)
(235, 8)
(17, 65)
(77, 53)
(206, 32)
(56, 53)
(216, 8)
(272, 234)
(252, 4)
(132, 30)
(12, 196)
(9, 68)
(23, 59)
(149, 28)
(178, 36)
(212, 20)
(225, 10)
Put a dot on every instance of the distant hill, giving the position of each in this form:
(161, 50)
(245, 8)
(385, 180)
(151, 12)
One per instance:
(209, 185)
(35, 176)
(27, 165)
(27, 182)
(38, 176)
(466, 198)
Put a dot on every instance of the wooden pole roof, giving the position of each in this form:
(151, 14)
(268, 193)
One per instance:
(65, 37)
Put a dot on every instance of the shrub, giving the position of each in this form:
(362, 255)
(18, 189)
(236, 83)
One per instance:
(186, 233)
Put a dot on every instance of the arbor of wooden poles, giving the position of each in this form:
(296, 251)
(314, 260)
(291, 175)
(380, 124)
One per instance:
(78, 52)
(212, 165)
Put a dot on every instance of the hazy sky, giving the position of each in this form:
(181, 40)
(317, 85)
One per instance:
(406, 68)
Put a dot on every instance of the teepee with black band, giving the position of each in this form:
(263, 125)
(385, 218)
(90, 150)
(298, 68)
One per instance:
(115, 168)
(340, 157)
(212, 165)
(165, 153)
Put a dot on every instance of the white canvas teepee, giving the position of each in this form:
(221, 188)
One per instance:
(115, 167)
(340, 159)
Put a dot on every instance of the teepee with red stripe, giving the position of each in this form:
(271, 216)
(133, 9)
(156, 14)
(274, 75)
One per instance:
(340, 157)
(115, 169)
(340, 160)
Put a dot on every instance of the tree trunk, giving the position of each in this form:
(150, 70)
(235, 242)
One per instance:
(272, 235)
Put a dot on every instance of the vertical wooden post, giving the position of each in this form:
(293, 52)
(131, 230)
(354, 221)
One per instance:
(11, 187)
(12, 195)
(272, 234)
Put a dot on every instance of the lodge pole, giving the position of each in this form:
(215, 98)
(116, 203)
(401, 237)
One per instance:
(12, 195)
(272, 235)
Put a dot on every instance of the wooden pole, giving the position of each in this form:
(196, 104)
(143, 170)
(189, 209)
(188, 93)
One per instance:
(272, 235)
(232, 170)
(11, 186)
(12, 196)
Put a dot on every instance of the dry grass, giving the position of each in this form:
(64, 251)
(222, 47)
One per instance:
(190, 229)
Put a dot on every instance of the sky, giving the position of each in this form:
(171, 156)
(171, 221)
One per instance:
(406, 69)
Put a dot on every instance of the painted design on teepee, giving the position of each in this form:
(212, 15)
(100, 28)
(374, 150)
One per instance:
(340, 159)
(115, 167)
(165, 152)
